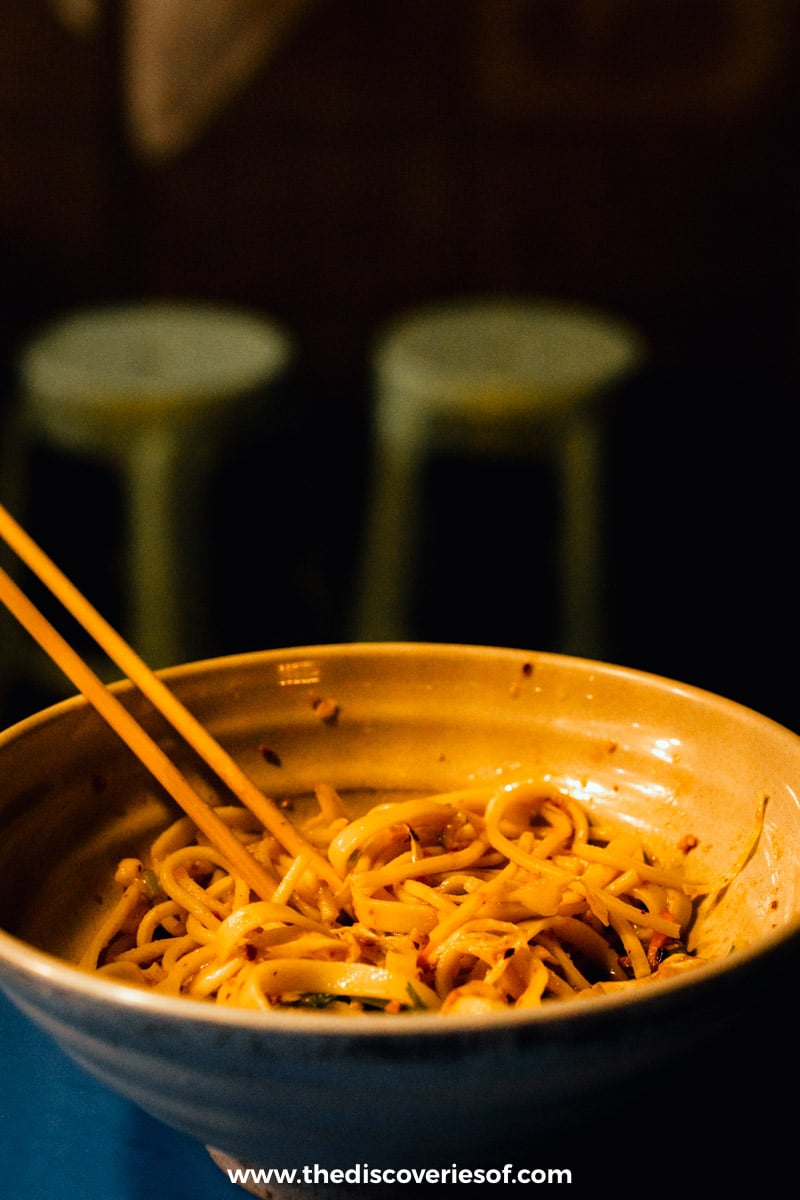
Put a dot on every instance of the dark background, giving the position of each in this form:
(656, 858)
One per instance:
(637, 157)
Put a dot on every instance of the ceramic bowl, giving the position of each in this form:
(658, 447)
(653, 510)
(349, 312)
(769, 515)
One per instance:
(664, 757)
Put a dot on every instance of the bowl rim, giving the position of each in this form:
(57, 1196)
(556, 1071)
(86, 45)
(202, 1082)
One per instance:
(47, 969)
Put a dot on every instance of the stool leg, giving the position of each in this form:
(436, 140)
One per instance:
(385, 583)
(581, 542)
(11, 488)
(165, 479)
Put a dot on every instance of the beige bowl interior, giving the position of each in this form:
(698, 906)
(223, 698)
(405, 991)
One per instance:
(662, 757)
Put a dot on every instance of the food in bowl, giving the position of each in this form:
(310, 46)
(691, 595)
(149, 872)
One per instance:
(481, 899)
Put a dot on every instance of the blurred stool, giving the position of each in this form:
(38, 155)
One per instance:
(492, 375)
(151, 390)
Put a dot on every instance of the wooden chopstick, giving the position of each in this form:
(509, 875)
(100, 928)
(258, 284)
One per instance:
(160, 696)
(120, 720)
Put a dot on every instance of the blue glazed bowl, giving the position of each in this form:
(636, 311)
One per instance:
(287, 1089)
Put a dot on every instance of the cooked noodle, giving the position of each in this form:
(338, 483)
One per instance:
(481, 899)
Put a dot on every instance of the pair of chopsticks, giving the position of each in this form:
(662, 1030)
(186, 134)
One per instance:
(160, 696)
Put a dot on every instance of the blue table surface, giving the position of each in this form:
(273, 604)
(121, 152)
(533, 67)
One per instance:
(64, 1135)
